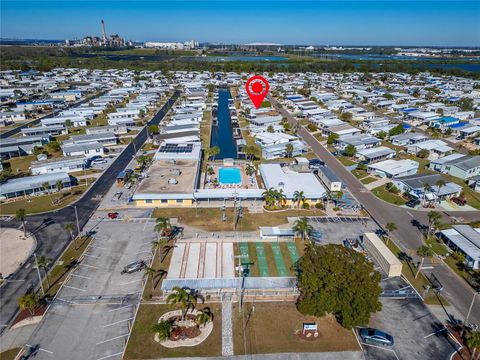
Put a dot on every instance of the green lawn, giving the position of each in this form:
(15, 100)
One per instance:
(37, 204)
(21, 165)
(272, 328)
(359, 173)
(384, 194)
(142, 345)
(368, 180)
(9, 354)
(345, 160)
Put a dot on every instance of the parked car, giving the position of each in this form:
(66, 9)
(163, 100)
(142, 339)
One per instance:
(98, 161)
(374, 336)
(315, 163)
(459, 201)
(113, 215)
(413, 203)
(134, 267)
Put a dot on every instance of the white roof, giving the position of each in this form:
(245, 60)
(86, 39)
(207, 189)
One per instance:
(274, 176)
(395, 167)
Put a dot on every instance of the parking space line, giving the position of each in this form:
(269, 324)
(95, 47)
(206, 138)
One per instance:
(144, 251)
(111, 339)
(41, 349)
(81, 276)
(89, 266)
(118, 322)
(109, 356)
(123, 307)
(382, 348)
(132, 281)
(92, 256)
(99, 247)
(434, 333)
(74, 288)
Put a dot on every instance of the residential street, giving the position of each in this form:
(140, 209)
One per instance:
(49, 231)
(408, 236)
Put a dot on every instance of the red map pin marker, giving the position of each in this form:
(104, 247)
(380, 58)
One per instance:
(257, 88)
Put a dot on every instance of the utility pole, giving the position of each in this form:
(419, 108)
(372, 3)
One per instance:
(468, 313)
(38, 273)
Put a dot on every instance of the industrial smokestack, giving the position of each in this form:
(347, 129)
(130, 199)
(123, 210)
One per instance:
(104, 35)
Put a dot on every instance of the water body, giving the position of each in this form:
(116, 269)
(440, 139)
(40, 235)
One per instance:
(222, 135)
(226, 58)
(393, 57)
(465, 67)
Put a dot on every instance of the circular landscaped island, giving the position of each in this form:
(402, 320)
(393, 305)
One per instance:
(174, 329)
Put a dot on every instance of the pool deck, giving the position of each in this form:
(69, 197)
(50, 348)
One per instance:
(245, 179)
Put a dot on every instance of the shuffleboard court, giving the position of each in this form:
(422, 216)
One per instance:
(210, 261)
(279, 263)
(176, 262)
(191, 271)
(262, 259)
(245, 259)
(292, 249)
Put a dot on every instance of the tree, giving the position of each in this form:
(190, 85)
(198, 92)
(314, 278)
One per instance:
(423, 154)
(270, 196)
(423, 251)
(204, 317)
(29, 302)
(251, 151)
(346, 116)
(153, 129)
(350, 151)
(433, 219)
(382, 135)
(43, 262)
(397, 130)
(390, 227)
(289, 149)
(20, 215)
(210, 170)
(149, 271)
(440, 183)
(214, 151)
(299, 197)
(472, 339)
(466, 104)
(332, 138)
(333, 279)
(68, 123)
(184, 297)
(162, 225)
(426, 188)
(163, 328)
(270, 129)
(250, 169)
(69, 228)
(303, 228)
(141, 113)
(53, 146)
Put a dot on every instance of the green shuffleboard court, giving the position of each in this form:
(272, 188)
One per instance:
(279, 263)
(262, 259)
(292, 249)
(245, 260)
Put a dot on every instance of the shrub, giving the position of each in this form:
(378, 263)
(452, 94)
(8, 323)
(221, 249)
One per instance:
(319, 205)
(306, 205)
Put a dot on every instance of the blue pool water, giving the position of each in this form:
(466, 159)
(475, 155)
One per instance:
(229, 176)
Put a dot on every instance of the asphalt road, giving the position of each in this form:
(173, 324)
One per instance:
(16, 130)
(407, 236)
(48, 228)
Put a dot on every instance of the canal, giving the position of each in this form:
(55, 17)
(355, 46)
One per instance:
(222, 134)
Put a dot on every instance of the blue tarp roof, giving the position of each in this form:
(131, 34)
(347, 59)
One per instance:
(409, 110)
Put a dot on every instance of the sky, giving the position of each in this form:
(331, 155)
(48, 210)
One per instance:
(341, 22)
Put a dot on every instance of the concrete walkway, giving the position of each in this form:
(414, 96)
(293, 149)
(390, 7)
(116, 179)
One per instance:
(227, 338)
(16, 337)
(377, 183)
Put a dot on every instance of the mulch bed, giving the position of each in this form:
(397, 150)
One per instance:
(463, 354)
(308, 335)
(24, 314)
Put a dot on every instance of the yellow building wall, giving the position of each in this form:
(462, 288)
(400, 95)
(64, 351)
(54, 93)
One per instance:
(158, 203)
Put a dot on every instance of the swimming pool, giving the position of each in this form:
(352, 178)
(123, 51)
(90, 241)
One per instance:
(229, 176)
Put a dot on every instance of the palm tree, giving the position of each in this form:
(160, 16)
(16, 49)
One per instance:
(270, 196)
(162, 225)
(390, 227)
(46, 187)
(184, 297)
(21, 214)
(289, 149)
(303, 228)
(163, 328)
(206, 153)
(69, 228)
(214, 151)
(423, 251)
(250, 170)
(29, 302)
(299, 197)
(59, 186)
(426, 187)
(43, 262)
(433, 218)
(281, 197)
(473, 341)
(440, 183)
(150, 272)
(204, 317)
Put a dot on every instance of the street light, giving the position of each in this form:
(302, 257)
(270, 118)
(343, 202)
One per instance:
(38, 273)
(76, 218)
(468, 313)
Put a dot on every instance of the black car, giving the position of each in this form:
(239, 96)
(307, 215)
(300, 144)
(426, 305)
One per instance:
(134, 267)
(413, 203)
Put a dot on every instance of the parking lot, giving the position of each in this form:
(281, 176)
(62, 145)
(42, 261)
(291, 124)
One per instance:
(416, 332)
(336, 229)
(96, 305)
